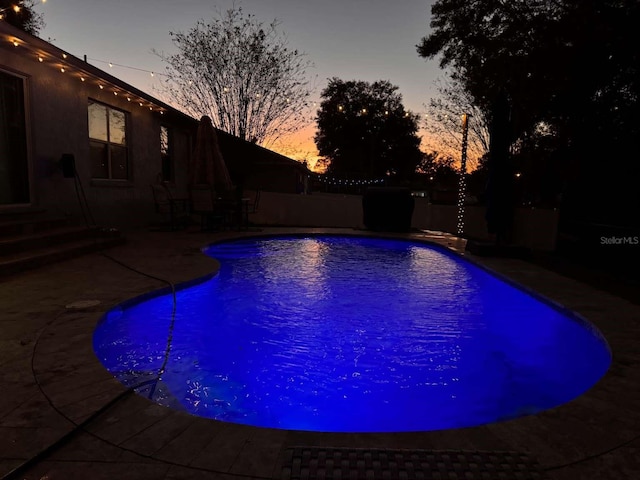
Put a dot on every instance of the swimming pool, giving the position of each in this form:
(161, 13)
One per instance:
(351, 334)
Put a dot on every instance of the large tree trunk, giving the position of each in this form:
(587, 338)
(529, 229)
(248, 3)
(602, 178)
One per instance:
(499, 213)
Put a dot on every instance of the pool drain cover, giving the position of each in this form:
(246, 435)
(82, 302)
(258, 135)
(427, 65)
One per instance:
(307, 463)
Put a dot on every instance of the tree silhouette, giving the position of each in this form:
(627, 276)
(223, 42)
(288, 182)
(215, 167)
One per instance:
(241, 74)
(439, 170)
(21, 15)
(365, 131)
(443, 121)
(567, 68)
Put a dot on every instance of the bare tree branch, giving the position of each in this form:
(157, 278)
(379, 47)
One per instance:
(444, 121)
(242, 74)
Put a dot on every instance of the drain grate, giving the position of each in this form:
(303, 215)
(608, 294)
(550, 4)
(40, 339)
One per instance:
(311, 463)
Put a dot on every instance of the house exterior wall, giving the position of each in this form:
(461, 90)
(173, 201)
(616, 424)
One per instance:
(256, 167)
(57, 123)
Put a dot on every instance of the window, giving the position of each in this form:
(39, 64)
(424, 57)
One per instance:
(166, 152)
(14, 169)
(107, 139)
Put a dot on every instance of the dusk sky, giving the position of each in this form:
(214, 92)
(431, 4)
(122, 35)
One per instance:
(349, 39)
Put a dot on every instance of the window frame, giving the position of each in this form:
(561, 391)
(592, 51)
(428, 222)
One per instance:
(30, 190)
(166, 158)
(109, 144)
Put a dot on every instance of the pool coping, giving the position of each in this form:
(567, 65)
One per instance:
(605, 417)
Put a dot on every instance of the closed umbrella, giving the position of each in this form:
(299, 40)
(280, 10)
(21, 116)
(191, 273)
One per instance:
(208, 166)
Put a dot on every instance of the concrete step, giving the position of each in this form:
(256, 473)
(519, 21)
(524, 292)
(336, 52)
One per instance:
(30, 259)
(49, 237)
(14, 226)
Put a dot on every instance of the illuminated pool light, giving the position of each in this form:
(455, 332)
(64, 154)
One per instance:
(351, 334)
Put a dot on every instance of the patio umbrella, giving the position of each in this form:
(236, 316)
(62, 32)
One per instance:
(208, 166)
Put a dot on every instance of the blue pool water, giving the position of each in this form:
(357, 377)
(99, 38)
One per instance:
(350, 334)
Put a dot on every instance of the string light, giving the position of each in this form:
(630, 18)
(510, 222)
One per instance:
(113, 64)
(16, 8)
(153, 74)
(63, 69)
(347, 182)
(462, 187)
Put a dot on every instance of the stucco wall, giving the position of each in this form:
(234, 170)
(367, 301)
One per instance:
(317, 210)
(57, 123)
(534, 228)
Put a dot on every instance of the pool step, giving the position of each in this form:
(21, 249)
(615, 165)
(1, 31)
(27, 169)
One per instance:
(32, 240)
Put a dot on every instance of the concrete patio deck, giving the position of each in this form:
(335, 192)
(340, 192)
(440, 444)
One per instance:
(51, 382)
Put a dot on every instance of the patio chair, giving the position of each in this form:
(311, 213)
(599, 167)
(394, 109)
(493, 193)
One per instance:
(205, 203)
(167, 204)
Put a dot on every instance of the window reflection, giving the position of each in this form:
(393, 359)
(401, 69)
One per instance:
(107, 142)
(164, 140)
(98, 122)
(166, 147)
(117, 127)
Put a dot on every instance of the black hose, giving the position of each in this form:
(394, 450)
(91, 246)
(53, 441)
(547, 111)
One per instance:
(29, 463)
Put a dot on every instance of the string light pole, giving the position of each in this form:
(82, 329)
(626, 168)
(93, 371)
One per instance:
(462, 186)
